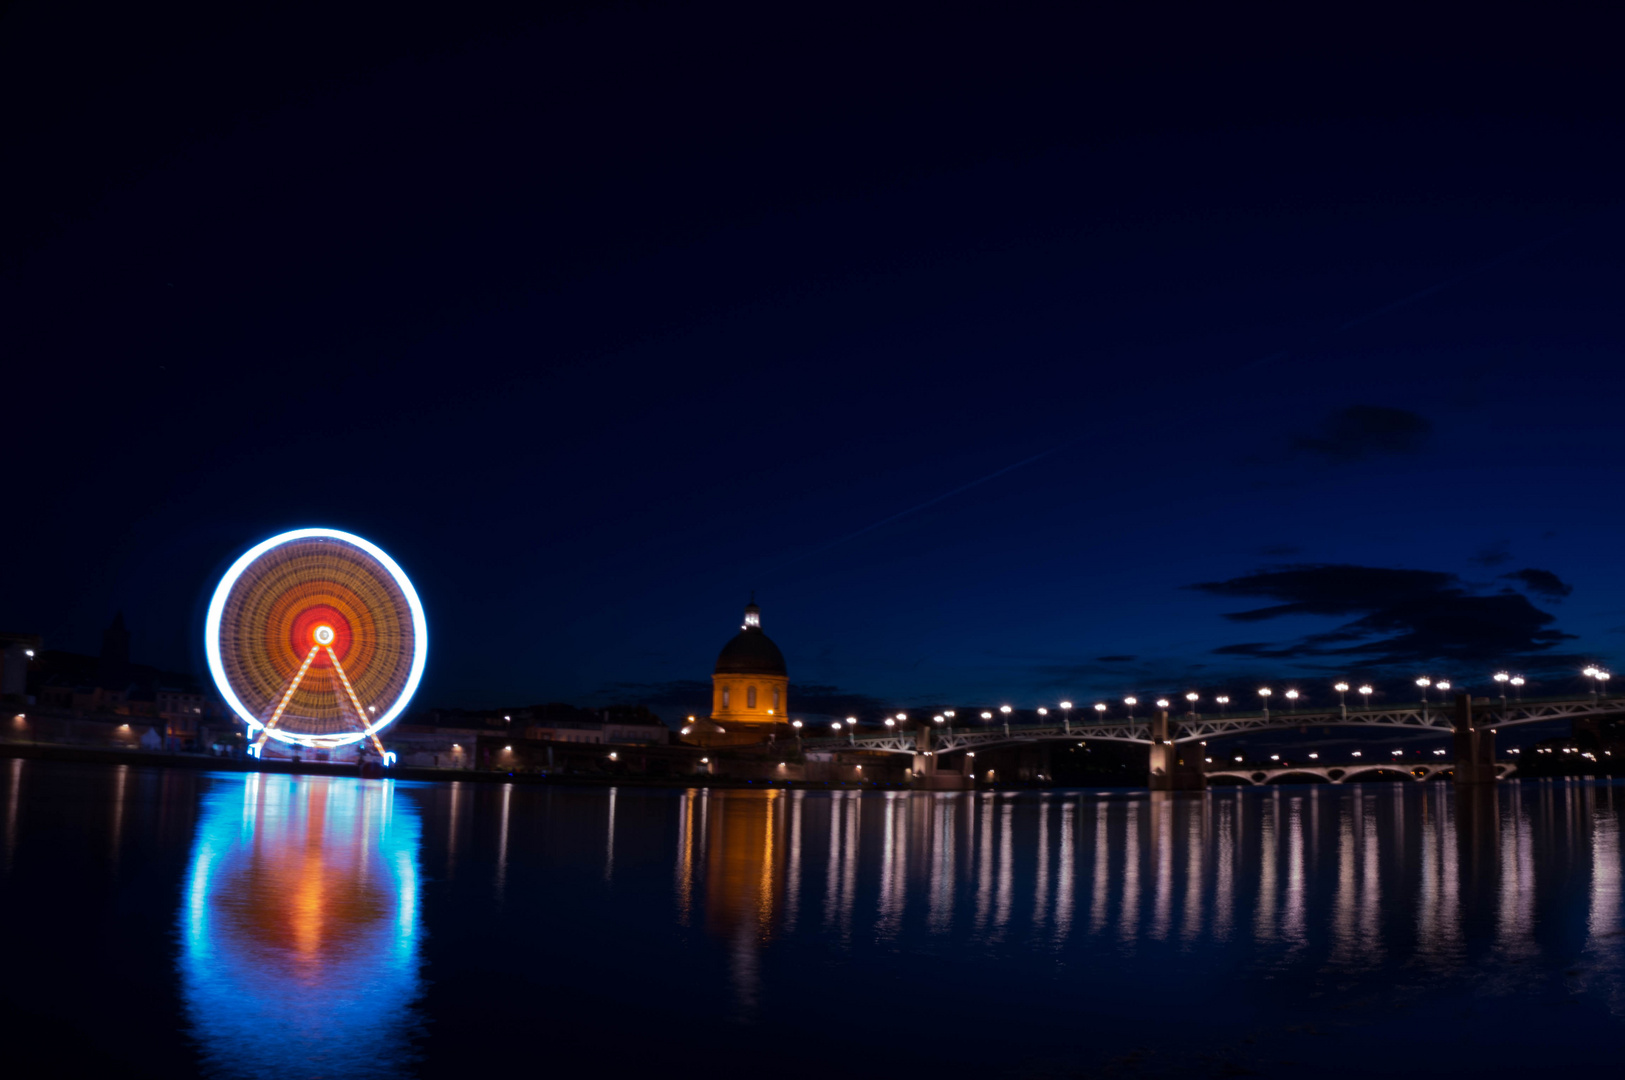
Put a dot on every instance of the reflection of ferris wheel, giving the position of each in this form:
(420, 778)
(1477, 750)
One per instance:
(316, 638)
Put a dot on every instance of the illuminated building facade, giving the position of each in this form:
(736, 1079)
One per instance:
(750, 687)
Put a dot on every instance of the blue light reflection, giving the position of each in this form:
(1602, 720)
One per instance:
(299, 927)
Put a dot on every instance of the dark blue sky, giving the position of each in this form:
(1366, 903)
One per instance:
(599, 318)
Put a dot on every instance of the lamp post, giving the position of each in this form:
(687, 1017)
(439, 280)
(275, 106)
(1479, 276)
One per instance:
(1100, 710)
(1501, 680)
(1066, 715)
(1424, 682)
(1265, 692)
(1342, 689)
(1131, 701)
(1192, 697)
(1591, 673)
(1221, 701)
(1365, 692)
(1517, 682)
(797, 725)
(1292, 700)
(1042, 712)
(948, 714)
(852, 730)
(1005, 710)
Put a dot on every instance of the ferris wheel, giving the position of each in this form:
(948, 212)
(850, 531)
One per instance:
(316, 638)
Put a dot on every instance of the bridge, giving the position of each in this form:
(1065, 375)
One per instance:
(1174, 741)
(1337, 774)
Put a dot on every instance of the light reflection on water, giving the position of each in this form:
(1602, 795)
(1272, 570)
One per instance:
(1048, 933)
(299, 927)
(1322, 883)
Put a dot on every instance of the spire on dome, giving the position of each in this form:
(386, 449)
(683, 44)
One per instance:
(753, 614)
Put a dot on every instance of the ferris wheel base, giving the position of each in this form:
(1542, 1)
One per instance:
(364, 757)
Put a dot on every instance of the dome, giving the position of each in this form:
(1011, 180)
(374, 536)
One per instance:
(751, 652)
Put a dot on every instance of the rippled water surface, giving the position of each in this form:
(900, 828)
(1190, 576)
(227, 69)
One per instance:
(173, 923)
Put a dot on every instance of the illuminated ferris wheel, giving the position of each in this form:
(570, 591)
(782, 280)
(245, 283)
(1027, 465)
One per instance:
(316, 638)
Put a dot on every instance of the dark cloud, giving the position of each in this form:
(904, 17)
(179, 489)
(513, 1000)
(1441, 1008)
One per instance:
(1496, 554)
(1280, 551)
(1407, 617)
(1541, 583)
(1115, 659)
(1360, 431)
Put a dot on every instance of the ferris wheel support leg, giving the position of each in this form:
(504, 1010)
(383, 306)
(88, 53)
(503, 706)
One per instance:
(287, 696)
(360, 714)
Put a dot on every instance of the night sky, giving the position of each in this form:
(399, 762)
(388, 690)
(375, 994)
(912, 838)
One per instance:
(1007, 356)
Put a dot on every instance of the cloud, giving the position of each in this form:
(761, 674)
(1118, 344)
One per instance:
(1541, 583)
(1496, 554)
(1361, 431)
(1395, 617)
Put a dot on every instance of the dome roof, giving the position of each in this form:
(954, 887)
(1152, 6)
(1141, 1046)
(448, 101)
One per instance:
(751, 652)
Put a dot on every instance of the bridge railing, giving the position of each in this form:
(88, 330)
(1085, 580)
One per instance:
(1193, 726)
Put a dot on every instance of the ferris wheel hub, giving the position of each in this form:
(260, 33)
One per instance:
(324, 635)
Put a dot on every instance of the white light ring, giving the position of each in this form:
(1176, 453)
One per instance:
(217, 608)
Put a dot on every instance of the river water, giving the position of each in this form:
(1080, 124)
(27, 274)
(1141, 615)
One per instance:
(175, 923)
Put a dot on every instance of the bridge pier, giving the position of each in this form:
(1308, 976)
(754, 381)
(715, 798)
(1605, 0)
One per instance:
(1174, 766)
(925, 774)
(1475, 746)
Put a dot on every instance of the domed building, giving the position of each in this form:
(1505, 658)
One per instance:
(750, 687)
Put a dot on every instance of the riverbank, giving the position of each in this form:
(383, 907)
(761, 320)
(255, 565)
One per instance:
(96, 755)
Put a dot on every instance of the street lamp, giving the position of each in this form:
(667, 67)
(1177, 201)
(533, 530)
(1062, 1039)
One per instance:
(797, 725)
(890, 723)
(1005, 709)
(1602, 683)
(1162, 703)
(1596, 675)
(1100, 709)
(1191, 697)
(1502, 678)
(1066, 715)
(1265, 692)
(1366, 692)
(1517, 682)
(1222, 700)
(1292, 696)
(1342, 689)
(1424, 682)
(1131, 702)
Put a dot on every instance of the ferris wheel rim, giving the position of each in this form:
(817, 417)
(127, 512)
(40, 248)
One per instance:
(217, 608)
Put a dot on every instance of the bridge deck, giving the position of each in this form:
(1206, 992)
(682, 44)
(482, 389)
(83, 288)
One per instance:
(1197, 727)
